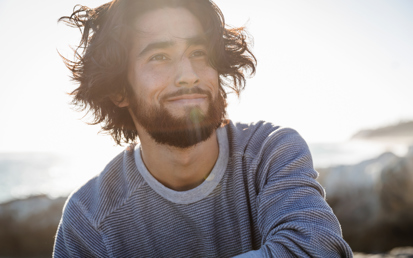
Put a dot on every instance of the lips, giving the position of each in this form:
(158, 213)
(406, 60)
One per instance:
(188, 99)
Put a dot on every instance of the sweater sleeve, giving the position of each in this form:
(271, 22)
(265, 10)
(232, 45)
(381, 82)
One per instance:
(76, 236)
(293, 216)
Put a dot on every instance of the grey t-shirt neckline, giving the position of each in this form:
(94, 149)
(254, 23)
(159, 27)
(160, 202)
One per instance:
(197, 193)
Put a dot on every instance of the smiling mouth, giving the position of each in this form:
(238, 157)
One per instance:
(188, 99)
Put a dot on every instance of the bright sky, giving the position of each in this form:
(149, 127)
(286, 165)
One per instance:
(325, 68)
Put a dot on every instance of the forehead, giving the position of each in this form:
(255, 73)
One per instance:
(166, 24)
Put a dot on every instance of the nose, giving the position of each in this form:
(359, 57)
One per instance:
(186, 75)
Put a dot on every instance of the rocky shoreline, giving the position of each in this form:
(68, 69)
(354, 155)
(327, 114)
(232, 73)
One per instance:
(373, 201)
(398, 252)
(28, 226)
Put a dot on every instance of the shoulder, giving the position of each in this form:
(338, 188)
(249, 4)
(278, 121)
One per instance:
(255, 138)
(268, 151)
(107, 191)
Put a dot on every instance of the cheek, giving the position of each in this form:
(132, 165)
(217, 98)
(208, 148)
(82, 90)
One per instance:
(204, 70)
(150, 84)
(210, 75)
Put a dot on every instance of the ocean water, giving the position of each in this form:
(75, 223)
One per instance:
(54, 174)
(352, 152)
(58, 174)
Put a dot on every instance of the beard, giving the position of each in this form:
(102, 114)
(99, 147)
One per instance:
(193, 127)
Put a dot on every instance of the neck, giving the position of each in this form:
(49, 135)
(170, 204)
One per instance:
(177, 168)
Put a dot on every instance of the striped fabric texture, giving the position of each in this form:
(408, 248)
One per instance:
(260, 200)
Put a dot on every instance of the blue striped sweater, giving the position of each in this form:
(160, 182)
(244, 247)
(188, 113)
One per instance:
(260, 200)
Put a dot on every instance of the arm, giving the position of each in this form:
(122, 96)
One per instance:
(293, 216)
(76, 236)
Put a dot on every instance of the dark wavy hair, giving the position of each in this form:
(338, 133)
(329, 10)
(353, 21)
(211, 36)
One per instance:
(101, 58)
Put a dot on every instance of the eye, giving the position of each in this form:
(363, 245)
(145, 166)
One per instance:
(158, 57)
(198, 53)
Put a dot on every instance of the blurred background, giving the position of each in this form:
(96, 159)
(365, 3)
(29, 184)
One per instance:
(339, 72)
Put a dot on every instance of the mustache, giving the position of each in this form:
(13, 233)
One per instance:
(186, 91)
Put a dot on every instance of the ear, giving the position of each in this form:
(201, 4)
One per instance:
(119, 101)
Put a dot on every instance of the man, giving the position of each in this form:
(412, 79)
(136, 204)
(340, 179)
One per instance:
(197, 185)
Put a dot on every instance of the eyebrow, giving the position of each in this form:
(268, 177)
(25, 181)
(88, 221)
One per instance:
(193, 41)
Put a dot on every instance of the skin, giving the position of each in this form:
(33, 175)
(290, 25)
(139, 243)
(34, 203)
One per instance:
(157, 70)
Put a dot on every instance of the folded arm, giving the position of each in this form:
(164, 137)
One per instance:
(293, 216)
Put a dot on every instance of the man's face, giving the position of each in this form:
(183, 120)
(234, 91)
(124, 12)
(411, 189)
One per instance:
(177, 97)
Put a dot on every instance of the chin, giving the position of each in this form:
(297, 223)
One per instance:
(180, 127)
